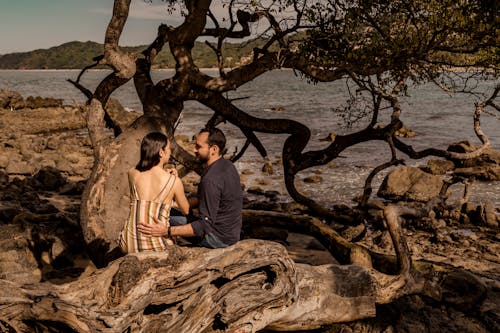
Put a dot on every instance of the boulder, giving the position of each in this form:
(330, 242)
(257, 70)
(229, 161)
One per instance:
(38, 248)
(484, 167)
(438, 167)
(19, 168)
(4, 161)
(463, 290)
(410, 183)
(49, 179)
(9, 98)
(461, 147)
(487, 215)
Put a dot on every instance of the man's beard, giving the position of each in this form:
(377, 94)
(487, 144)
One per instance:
(202, 159)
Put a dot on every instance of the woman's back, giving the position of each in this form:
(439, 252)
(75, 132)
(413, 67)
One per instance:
(151, 196)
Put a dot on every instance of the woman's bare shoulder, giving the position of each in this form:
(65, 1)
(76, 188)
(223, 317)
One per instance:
(133, 172)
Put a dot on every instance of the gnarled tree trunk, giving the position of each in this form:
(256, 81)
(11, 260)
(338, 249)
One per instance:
(106, 201)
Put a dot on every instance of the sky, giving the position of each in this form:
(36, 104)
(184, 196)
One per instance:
(27, 25)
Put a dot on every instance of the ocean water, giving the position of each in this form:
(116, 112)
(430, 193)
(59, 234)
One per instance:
(438, 119)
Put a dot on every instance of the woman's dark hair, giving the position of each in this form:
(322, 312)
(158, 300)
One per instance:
(216, 138)
(151, 145)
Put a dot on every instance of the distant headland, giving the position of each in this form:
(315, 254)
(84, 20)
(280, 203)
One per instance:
(77, 55)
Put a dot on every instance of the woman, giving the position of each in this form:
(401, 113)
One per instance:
(152, 193)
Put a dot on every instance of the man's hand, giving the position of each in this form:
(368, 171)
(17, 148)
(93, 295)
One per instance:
(157, 229)
(173, 171)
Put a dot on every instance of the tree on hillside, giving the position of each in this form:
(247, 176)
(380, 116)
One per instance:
(378, 46)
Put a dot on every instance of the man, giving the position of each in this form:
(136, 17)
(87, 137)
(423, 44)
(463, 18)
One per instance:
(219, 197)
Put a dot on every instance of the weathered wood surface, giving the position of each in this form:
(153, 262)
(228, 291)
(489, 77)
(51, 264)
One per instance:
(250, 285)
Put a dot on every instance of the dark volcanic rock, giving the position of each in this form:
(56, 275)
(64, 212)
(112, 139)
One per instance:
(9, 98)
(49, 179)
(463, 290)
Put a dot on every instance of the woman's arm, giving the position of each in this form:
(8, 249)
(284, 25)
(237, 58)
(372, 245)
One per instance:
(180, 197)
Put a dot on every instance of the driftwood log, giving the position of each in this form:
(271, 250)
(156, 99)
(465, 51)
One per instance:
(246, 287)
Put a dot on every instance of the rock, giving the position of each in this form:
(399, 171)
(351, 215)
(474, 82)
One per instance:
(469, 208)
(461, 147)
(73, 158)
(7, 213)
(463, 290)
(313, 179)
(72, 188)
(38, 248)
(53, 143)
(263, 181)
(49, 179)
(273, 195)
(47, 163)
(329, 138)
(438, 167)
(484, 167)
(64, 165)
(4, 161)
(4, 178)
(9, 99)
(409, 183)
(487, 215)
(263, 205)
(19, 168)
(247, 172)
(405, 132)
(439, 224)
(267, 168)
(25, 148)
(255, 190)
(78, 170)
(42, 102)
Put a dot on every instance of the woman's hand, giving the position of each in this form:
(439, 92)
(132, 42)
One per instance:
(157, 229)
(173, 171)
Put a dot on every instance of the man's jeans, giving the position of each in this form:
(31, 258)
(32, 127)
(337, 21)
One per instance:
(211, 241)
(208, 240)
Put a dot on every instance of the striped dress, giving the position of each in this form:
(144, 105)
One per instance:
(131, 240)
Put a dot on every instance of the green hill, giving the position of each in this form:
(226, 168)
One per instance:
(76, 55)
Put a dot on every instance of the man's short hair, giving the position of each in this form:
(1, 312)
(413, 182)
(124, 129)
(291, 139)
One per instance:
(216, 138)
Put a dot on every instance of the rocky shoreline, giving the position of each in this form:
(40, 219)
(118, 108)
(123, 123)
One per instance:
(46, 157)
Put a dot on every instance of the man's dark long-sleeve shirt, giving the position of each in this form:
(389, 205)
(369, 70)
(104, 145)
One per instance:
(220, 202)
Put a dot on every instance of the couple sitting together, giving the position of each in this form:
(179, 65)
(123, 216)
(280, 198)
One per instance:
(154, 190)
